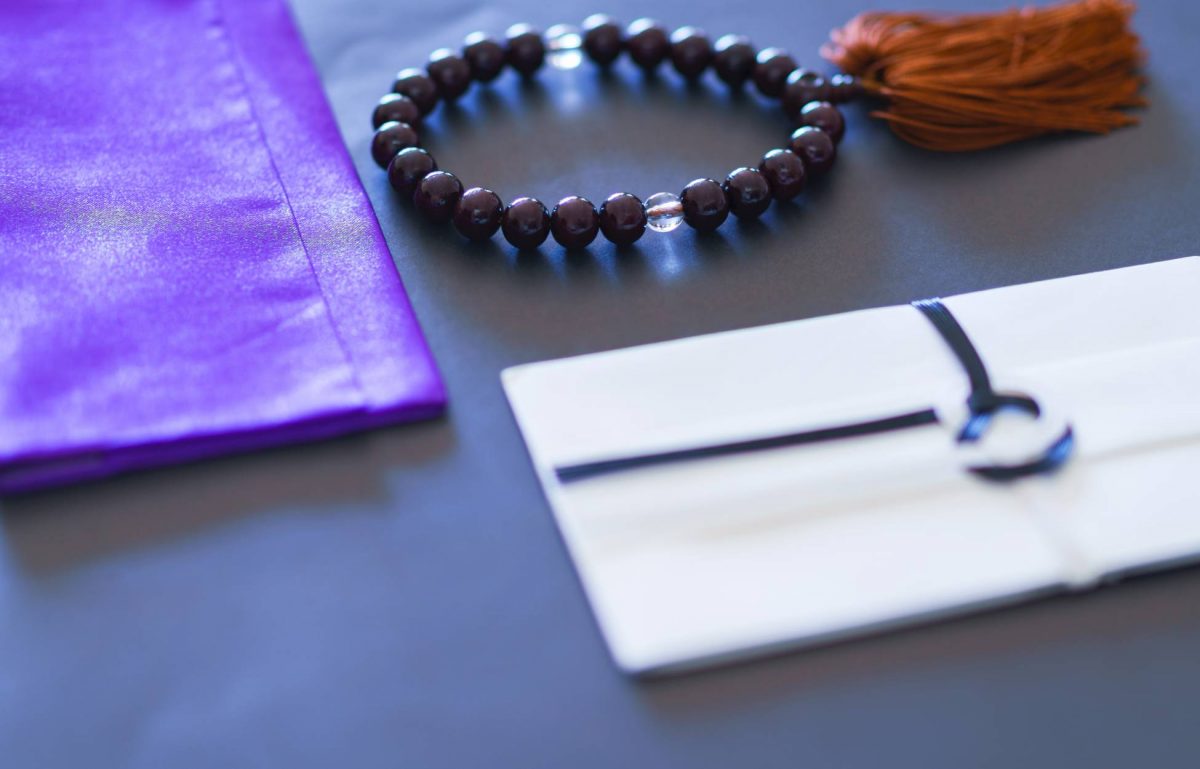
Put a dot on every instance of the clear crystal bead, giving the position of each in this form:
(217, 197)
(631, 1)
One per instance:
(564, 46)
(664, 211)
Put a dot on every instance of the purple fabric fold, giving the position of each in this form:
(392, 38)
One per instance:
(188, 263)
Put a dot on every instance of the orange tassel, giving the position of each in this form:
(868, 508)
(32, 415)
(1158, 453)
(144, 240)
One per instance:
(957, 83)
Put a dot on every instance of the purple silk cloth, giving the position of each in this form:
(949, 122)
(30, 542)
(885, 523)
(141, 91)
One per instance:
(188, 263)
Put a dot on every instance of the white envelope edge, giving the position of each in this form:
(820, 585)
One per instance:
(648, 667)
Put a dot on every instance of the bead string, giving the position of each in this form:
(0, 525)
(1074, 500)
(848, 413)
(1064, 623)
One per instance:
(477, 213)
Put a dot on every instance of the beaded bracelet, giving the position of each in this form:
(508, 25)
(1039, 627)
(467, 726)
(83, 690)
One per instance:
(477, 213)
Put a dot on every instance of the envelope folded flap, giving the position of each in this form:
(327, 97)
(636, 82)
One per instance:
(1102, 348)
(693, 561)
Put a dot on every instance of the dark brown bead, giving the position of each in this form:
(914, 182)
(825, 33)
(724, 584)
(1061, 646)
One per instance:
(478, 213)
(602, 39)
(574, 222)
(844, 88)
(648, 43)
(449, 72)
(416, 85)
(394, 108)
(622, 218)
(389, 139)
(525, 49)
(823, 115)
(484, 55)
(748, 192)
(704, 205)
(437, 194)
(785, 173)
(691, 52)
(803, 86)
(526, 223)
(815, 148)
(734, 59)
(408, 168)
(771, 69)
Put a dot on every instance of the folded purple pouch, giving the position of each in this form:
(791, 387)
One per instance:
(188, 263)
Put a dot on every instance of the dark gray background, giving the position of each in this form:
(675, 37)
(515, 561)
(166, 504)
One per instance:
(402, 599)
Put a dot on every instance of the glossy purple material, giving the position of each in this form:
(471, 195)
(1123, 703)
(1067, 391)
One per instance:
(208, 277)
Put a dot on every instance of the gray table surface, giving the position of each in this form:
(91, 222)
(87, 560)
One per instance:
(403, 599)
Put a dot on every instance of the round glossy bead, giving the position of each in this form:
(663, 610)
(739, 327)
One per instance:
(748, 192)
(574, 222)
(734, 59)
(691, 52)
(803, 86)
(771, 69)
(564, 46)
(622, 218)
(484, 55)
(526, 223)
(823, 115)
(664, 212)
(449, 72)
(647, 42)
(437, 194)
(389, 139)
(416, 85)
(477, 214)
(602, 39)
(408, 168)
(526, 50)
(704, 205)
(785, 173)
(394, 108)
(814, 147)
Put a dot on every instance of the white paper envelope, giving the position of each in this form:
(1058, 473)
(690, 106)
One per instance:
(697, 561)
